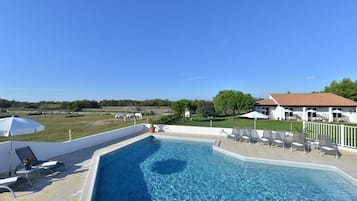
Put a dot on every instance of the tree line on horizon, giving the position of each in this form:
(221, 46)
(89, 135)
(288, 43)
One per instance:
(226, 101)
(78, 105)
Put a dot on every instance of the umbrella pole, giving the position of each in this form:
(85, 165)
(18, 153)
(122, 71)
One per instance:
(255, 123)
(10, 153)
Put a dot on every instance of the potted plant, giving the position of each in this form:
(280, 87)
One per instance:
(27, 163)
(152, 128)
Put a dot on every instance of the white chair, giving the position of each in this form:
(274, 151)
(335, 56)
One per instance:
(10, 181)
(254, 136)
(298, 141)
(234, 135)
(327, 147)
(266, 137)
(246, 134)
(278, 138)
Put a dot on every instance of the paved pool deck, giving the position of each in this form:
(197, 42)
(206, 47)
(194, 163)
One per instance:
(69, 185)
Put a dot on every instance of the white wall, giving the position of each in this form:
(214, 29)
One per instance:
(353, 117)
(277, 113)
(46, 150)
(194, 129)
(214, 131)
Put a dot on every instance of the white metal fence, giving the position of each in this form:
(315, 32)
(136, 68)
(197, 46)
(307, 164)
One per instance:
(342, 135)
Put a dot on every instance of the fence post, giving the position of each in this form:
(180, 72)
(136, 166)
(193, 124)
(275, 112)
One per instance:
(342, 133)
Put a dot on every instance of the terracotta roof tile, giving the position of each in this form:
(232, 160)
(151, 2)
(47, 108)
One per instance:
(312, 99)
(267, 102)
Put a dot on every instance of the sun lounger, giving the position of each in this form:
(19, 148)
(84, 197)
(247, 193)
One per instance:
(234, 135)
(278, 138)
(327, 147)
(266, 137)
(298, 141)
(26, 152)
(288, 138)
(7, 183)
(254, 136)
(245, 134)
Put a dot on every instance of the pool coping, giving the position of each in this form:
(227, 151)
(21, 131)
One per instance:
(186, 139)
(216, 147)
(89, 186)
(288, 164)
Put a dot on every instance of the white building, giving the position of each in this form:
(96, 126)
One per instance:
(325, 107)
(187, 113)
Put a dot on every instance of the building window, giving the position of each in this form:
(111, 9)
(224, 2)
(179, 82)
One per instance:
(265, 110)
(336, 112)
(311, 114)
(289, 112)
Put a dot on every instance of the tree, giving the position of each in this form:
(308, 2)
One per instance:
(345, 88)
(152, 102)
(206, 108)
(223, 101)
(233, 102)
(5, 103)
(180, 106)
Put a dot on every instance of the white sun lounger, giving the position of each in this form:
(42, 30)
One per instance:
(298, 141)
(10, 181)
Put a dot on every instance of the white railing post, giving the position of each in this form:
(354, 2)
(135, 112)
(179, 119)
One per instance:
(342, 137)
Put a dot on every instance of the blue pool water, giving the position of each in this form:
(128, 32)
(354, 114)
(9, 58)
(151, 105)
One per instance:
(167, 170)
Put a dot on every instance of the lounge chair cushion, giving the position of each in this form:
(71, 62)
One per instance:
(231, 135)
(279, 141)
(8, 181)
(264, 139)
(297, 144)
(50, 163)
(327, 148)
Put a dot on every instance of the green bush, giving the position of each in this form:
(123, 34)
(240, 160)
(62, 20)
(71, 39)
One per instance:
(164, 119)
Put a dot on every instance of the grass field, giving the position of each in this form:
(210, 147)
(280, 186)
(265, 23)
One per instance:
(230, 122)
(57, 126)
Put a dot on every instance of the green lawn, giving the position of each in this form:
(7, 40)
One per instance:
(57, 126)
(230, 122)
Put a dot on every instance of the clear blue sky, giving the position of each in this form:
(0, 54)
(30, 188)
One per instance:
(173, 49)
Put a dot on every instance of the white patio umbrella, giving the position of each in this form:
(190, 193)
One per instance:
(255, 115)
(11, 126)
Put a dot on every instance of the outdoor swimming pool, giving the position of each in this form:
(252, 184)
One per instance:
(156, 169)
